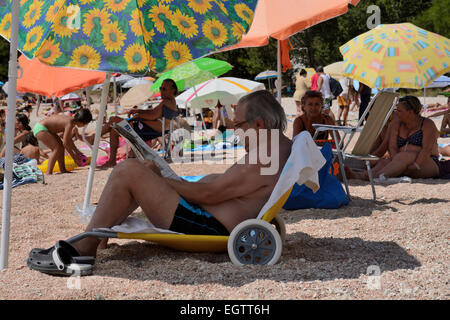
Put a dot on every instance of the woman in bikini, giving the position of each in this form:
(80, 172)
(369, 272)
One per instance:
(47, 132)
(413, 145)
(146, 123)
(313, 113)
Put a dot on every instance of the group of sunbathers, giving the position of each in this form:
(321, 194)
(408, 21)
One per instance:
(217, 203)
(407, 145)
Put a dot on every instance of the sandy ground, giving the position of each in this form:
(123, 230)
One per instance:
(394, 248)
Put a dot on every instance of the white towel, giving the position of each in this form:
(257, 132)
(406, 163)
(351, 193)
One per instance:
(136, 225)
(302, 167)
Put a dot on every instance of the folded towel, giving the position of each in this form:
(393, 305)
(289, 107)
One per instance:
(136, 225)
(302, 167)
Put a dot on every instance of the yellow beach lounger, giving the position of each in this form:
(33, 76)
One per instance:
(254, 241)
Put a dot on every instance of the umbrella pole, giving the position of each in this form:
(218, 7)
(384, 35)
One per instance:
(203, 120)
(201, 111)
(88, 98)
(278, 84)
(98, 133)
(116, 107)
(10, 128)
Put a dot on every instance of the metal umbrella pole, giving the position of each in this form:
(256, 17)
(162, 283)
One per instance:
(116, 106)
(10, 128)
(95, 147)
(278, 83)
(201, 111)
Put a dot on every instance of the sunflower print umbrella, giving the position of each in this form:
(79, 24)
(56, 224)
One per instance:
(396, 56)
(127, 36)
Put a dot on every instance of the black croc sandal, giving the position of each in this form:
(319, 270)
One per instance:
(37, 252)
(59, 261)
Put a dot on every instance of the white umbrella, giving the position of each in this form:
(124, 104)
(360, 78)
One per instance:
(440, 82)
(335, 69)
(135, 82)
(70, 97)
(136, 95)
(227, 90)
(97, 87)
(122, 78)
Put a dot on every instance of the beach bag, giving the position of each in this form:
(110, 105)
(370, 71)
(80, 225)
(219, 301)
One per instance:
(331, 195)
(335, 87)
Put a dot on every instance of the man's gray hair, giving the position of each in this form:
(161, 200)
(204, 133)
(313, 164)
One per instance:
(262, 104)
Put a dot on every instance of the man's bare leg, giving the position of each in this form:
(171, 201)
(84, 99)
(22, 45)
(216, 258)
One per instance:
(131, 184)
(346, 108)
(113, 142)
(113, 146)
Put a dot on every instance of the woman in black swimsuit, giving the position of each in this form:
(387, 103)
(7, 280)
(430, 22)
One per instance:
(413, 145)
(312, 106)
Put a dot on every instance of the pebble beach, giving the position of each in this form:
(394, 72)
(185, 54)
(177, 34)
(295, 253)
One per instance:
(396, 247)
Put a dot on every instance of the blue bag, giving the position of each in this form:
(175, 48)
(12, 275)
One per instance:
(331, 195)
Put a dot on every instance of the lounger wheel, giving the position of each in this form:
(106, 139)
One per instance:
(278, 223)
(254, 241)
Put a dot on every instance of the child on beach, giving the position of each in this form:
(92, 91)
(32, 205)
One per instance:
(22, 129)
(47, 132)
(30, 148)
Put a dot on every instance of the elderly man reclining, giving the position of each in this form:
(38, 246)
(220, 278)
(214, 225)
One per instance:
(212, 206)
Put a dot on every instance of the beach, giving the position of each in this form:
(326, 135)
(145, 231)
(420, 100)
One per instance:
(393, 248)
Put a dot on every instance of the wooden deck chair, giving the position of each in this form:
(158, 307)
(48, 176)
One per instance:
(253, 241)
(379, 110)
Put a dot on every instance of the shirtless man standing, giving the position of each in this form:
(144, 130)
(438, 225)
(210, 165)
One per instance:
(218, 202)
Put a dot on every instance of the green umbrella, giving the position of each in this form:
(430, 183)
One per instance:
(193, 73)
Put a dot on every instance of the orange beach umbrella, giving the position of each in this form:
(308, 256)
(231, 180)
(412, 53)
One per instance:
(42, 79)
(281, 19)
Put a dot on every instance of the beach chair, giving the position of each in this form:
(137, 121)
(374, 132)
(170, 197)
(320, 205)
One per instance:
(254, 241)
(379, 110)
(172, 116)
(165, 139)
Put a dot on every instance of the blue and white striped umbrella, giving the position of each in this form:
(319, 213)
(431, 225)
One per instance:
(268, 74)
